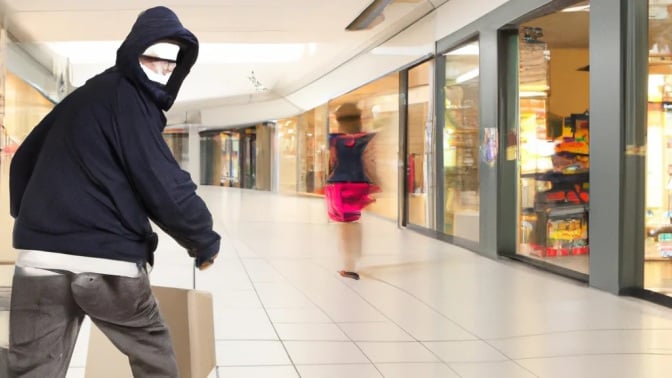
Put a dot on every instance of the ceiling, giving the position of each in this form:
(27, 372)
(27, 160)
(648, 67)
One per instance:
(253, 48)
(563, 29)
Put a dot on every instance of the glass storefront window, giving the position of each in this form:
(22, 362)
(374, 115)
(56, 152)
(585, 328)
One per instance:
(658, 247)
(247, 157)
(286, 154)
(312, 149)
(230, 159)
(178, 142)
(419, 140)
(554, 140)
(379, 103)
(460, 143)
(263, 154)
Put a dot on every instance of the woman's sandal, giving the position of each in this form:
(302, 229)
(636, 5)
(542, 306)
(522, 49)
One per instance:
(347, 274)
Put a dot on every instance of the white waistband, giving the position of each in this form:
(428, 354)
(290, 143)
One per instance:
(75, 264)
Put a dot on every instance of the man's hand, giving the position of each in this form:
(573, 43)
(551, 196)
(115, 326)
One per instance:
(207, 263)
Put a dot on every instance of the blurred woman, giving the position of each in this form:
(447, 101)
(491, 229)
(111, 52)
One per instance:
(350, 183)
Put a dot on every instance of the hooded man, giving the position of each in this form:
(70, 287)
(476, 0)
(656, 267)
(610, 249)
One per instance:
(83, 188)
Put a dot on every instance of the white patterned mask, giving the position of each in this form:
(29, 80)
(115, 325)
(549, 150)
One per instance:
(155, 76)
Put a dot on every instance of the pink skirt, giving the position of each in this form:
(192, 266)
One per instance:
(345, 200)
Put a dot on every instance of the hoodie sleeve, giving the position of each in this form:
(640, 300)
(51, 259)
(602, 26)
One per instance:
(166, 191)
(24, 160)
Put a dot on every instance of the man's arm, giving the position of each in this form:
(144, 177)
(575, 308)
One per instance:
(166, 191)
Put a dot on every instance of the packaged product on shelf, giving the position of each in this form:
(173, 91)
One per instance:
(567, 236)
(664, 241)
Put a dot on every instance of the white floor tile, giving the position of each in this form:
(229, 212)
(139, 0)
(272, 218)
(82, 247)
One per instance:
(225, 274)
(423, 369)
(397, 352)
(324, 352)
(505, 369)
(236, 299)
(465, 351)
(375, 331)
(250, 353)
(243, 324)
(286, 371)
(262, 272)
(587, 342)
(339, 371)
(282, 296)
(612, 366)
(310, 331)
(297, 315)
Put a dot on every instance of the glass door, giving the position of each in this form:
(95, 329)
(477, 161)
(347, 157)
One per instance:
(418, 144)
(461, 143)
(553, 157)
(248, 159)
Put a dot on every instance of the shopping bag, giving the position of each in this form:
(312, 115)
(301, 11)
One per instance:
(188, 314)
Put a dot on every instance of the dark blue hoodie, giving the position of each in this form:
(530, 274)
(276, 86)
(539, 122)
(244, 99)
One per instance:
(92, 173)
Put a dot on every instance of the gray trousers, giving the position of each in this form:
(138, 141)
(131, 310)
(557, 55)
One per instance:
(46, 313)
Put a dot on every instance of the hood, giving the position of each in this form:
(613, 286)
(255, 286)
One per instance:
(154, 25)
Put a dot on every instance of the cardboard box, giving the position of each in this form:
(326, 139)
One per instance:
(188, 314)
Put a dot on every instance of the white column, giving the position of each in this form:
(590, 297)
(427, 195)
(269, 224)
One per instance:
(194, 164)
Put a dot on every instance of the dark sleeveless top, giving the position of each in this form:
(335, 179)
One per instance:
(346, 157)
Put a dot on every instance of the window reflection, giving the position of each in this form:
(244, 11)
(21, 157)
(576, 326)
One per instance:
(460, 143)
(312, 145)
(286, 154)
(418, 142)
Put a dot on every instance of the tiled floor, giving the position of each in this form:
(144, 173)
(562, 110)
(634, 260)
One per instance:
(422, 308)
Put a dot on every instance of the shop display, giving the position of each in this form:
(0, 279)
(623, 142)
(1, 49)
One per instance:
(554, 161)
(659, 187)
(555, 219)
(658, 174)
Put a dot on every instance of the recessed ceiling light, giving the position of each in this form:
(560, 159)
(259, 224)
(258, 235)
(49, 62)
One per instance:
(578, 8)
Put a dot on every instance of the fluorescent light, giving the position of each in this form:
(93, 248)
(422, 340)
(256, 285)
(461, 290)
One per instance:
(532, 94)
(578, 8)
(470, 49)
(467, 76)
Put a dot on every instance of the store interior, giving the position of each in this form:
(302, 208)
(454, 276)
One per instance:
(658, 222)
(554, 142)
(554, 139)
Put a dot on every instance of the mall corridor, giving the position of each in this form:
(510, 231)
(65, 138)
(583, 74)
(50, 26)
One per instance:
(422, 308)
